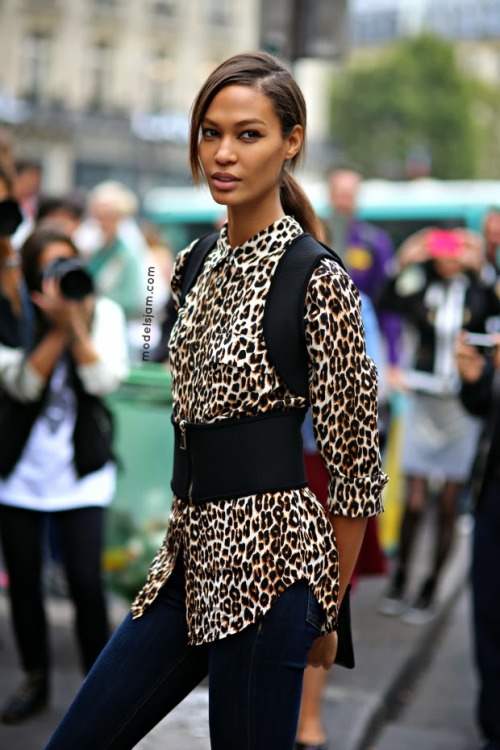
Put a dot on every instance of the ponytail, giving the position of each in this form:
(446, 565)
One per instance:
(296, 203)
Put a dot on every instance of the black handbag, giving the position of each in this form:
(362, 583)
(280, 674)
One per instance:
(345, 649)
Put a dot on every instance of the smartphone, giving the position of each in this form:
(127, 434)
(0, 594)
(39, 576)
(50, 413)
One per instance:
(444, 243)
(485, 340)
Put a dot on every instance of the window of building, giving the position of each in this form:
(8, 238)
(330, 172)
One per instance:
(164, 8)
(100, 70)
(159, 72)
(219, 12)
(37, 52)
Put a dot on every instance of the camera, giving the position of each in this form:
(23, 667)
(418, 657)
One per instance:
(444, 243)
(75, 282)
(10, 217)
(483, 340)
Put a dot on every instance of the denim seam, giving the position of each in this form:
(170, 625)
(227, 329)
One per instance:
(249, 703)
(144, 700)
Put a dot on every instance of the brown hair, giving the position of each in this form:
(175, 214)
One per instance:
(268, 75)
(33, 248)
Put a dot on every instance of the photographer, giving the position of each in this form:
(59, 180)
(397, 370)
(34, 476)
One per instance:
(66, 351)
(438, 290)
(479, 368)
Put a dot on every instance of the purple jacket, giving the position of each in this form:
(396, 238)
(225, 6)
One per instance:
(367, 256)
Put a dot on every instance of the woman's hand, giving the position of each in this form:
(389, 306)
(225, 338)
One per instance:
(323, 651)
(414, 249)
(472, 256)
(67, 316)
(470, 362)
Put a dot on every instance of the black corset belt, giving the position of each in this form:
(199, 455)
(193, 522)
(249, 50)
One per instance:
(237, 457)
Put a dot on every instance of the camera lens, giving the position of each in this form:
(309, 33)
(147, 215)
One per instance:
(75, 282)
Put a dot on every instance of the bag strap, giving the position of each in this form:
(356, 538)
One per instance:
(283, 323)
(195, 261)
(284, 330)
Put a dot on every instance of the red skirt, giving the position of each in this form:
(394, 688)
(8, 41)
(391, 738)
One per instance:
(371, 560)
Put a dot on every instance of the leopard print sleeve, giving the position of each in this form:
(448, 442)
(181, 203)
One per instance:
(343, 393)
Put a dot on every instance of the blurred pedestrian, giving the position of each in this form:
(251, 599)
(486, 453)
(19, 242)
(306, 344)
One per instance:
(63, 211)
(367, 251)
(311, 733)
(491, 233)
(249, 577)
(480, 372)
(438, 290)
(56, 453)
(26, 190)
(117, 265)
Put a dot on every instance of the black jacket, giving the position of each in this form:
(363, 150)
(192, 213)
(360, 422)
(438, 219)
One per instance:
(478, 400)
(408, 297)
(93, 433)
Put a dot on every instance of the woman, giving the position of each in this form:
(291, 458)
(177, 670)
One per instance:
(244, 588)
(438, 291)
(55, 456)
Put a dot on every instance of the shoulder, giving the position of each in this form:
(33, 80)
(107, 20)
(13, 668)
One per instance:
(179, 267)
(331, 282)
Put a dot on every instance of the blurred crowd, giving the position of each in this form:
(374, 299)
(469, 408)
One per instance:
(431, 310)
(129, 261)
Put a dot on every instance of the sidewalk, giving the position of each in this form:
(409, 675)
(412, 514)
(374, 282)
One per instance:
(357, 702)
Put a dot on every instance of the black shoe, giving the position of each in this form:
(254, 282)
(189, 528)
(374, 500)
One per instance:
(30, 698)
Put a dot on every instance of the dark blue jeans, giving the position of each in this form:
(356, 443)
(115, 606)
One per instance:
(486, 597)
(147, 668)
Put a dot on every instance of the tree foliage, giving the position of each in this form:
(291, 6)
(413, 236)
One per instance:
(416, 97)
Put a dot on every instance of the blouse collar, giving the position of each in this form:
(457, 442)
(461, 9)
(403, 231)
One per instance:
(266, 242)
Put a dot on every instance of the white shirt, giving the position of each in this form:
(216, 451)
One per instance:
(45, 478)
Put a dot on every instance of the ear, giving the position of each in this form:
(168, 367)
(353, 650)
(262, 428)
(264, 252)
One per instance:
(294, 142)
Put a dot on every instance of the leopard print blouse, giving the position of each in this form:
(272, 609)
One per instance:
(240, 555)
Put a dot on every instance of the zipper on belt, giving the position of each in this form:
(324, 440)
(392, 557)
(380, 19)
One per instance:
(183, 447)
(183, 442)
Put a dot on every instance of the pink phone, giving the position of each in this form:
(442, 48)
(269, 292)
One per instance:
(444, 243)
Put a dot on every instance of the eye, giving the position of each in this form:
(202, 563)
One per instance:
(250, 135)
(209, 133)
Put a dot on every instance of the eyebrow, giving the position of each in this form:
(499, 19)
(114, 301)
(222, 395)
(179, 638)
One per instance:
(240, 124)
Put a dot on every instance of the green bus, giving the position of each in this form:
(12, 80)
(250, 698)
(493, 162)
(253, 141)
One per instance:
(401, 208)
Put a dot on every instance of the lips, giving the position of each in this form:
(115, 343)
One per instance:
(224, 180)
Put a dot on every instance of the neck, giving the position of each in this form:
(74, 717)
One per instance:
(243, 222)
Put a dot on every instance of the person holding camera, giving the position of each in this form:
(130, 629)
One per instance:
(67, 351)
(438, 290)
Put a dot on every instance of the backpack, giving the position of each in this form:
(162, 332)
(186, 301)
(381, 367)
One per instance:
(285, 339)
(284, 332)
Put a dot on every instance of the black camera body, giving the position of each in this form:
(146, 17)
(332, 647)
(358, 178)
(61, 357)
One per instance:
(10, 217)
(75, 282)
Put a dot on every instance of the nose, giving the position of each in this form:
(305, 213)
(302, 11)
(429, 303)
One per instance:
(225, 153)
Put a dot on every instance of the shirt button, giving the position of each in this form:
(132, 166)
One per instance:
(219, 281)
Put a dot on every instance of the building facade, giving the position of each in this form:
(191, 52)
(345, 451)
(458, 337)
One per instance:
(97, 89)
(473, 26)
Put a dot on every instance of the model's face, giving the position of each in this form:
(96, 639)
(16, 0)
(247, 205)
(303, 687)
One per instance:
(242, 149)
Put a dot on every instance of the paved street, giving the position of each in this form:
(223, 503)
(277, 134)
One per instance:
(438, 709)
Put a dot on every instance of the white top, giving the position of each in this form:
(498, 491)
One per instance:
(45, 478)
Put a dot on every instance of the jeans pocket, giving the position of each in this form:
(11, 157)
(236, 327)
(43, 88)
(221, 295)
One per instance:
(315, 615)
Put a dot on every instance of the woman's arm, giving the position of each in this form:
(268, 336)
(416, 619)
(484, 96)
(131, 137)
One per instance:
(101, 354)
(343, 394)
